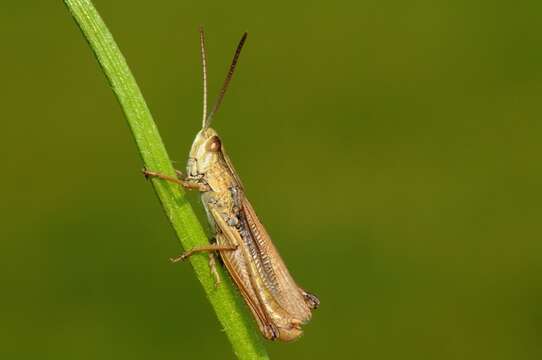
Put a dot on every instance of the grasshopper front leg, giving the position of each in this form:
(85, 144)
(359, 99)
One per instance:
(190, 185)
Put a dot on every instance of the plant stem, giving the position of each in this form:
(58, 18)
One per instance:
(246, 342)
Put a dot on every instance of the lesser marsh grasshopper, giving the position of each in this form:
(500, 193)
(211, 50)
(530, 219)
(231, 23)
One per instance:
(278, 304)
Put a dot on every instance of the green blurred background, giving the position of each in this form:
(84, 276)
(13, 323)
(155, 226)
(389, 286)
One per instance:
(391, 148)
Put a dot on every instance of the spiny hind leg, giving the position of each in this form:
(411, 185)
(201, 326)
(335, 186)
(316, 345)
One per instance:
(310, 299)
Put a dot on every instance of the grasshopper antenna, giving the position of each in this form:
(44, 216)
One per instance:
(207, 120)
(204, 75)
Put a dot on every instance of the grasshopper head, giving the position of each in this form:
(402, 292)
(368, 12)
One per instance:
(205, 152)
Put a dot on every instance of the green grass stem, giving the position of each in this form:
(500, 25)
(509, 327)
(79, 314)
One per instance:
(237, 324)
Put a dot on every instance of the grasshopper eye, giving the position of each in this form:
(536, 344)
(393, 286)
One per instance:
(215, 144)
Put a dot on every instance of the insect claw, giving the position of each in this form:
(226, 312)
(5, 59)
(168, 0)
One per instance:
(145, 173)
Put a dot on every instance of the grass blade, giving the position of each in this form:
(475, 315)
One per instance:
(238, 326)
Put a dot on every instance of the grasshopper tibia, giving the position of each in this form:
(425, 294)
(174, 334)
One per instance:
(204, 248)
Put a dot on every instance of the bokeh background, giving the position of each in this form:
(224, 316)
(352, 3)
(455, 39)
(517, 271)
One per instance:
(391, 148)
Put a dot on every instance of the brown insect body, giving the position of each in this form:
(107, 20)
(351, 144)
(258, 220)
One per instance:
(278, 304)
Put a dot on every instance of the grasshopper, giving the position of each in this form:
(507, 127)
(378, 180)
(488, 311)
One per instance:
(278, 304)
